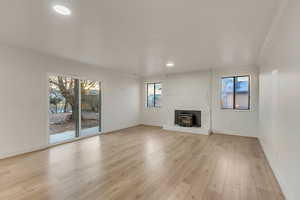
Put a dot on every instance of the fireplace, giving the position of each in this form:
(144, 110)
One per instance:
(188, 118)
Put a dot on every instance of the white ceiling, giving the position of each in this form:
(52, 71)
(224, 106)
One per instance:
(140, 36)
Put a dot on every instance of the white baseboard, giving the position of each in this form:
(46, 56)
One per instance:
(230, 132)
(151, 124)
(42, 147)
(23, 151)
(186, 129)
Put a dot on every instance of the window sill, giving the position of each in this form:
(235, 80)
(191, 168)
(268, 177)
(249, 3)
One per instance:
(237, 110)
(150, 108)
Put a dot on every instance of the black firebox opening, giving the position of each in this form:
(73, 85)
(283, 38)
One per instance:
(188, 118)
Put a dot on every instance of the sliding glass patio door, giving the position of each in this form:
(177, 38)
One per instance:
(74, 108)
(90, 107)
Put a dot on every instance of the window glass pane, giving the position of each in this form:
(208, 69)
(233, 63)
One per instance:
(242, 93)
(158, 93)
(227, 93)
(90, 107)
(62, 108)
(150, 95)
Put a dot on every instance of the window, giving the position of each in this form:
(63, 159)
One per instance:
(235, 93)
(242, 93)
(154, 92)
(227, 93)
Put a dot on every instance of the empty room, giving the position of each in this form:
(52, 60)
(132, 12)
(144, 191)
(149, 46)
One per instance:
(149, 100)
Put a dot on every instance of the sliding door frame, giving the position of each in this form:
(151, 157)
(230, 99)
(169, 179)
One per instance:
(99, 108)
(78, 106)
(77, 94)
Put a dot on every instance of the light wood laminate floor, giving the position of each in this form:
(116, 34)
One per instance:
(142, 163)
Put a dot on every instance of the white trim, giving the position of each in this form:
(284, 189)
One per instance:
(43, 147)
(20, 152)
(232, 132)
(151, 124)
(39, 148)
(194, 130)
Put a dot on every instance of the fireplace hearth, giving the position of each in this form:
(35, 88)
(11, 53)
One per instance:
(188, 118)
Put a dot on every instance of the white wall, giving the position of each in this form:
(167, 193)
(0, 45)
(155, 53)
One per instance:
(188, 91)
(23, 102)
(280, 98)
(235, 122)
(201, 90)
(185, 91)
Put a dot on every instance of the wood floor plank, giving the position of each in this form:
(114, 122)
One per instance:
(143, 163)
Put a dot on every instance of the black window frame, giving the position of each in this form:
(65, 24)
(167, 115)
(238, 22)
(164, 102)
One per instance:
(154, 99)
(234, 92)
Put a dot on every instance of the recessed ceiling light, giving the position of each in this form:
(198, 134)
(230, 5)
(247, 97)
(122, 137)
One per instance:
(63, 10)
(170, 64)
